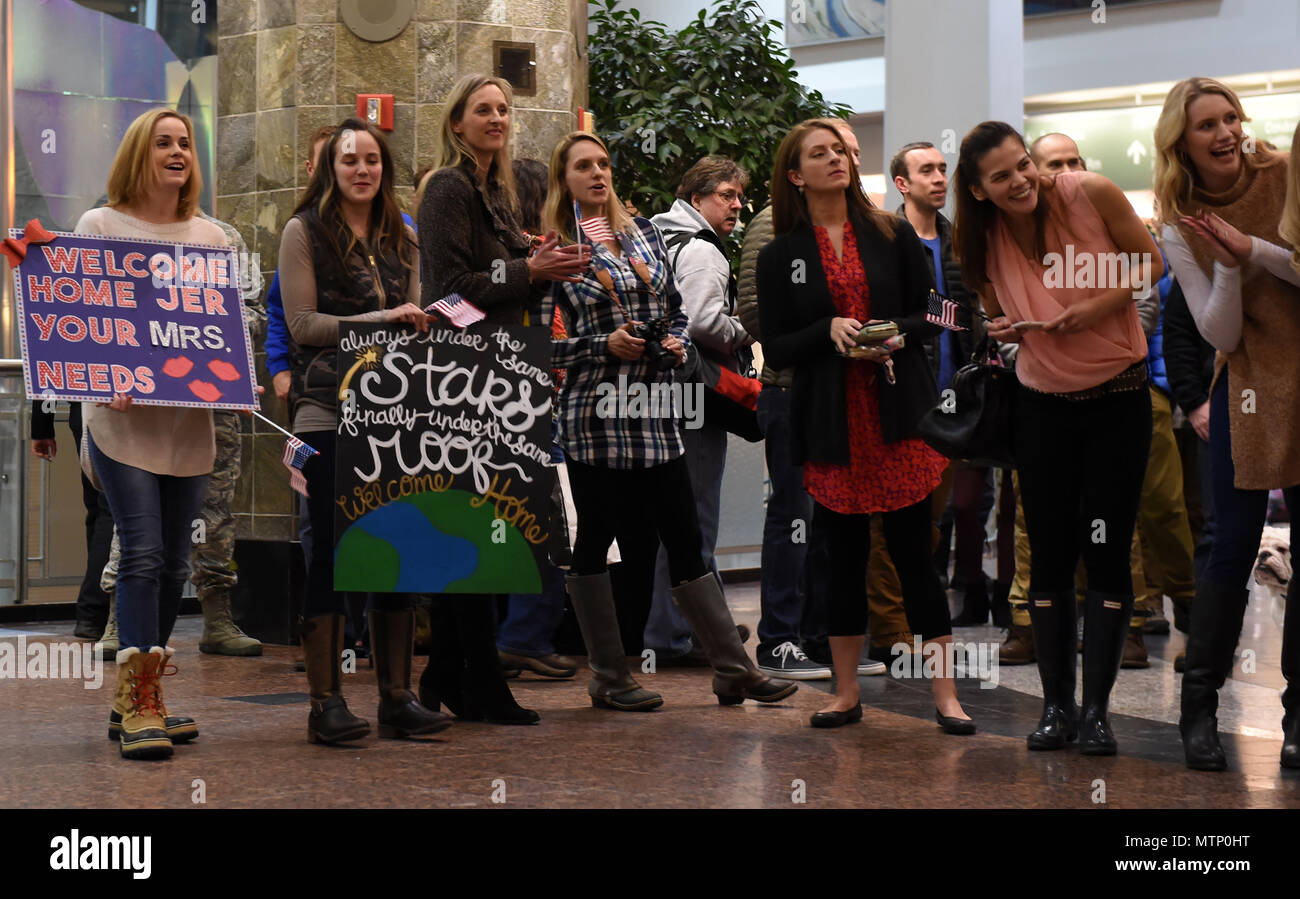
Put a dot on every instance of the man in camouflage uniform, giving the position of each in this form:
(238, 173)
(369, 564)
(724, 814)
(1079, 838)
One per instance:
(212, 559)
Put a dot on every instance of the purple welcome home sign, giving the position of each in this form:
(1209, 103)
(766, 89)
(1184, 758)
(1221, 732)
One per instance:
(159, 321)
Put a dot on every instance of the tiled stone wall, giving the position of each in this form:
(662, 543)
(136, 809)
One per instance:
(286, 67)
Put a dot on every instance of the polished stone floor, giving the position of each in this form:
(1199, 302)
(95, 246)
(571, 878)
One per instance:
(692, 753)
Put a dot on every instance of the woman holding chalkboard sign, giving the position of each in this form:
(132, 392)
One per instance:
(625, 457)
(153, 461)
(471, 245)
(347, 256)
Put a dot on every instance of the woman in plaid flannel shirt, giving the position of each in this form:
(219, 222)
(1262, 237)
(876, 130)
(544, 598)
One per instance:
(619, 431)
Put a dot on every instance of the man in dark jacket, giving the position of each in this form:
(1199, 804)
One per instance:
(920, 174)
(1189, 367)
(92, 602)
(1162, 514)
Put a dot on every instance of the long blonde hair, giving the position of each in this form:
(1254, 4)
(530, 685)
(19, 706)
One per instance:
(558, 212)
(452, 150)
(133, 174)
(1175, 178)
(1290, 225)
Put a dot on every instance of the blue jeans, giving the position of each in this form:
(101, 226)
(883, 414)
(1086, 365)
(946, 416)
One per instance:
(1238, 514)
(1204, 542)
(784, 556)
(666, 631)
(154, 515)
(532, 618)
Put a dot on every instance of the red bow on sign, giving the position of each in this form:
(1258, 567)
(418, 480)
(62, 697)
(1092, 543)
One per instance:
(16, 248)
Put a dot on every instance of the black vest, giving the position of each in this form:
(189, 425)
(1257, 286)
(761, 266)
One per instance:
(350, 287)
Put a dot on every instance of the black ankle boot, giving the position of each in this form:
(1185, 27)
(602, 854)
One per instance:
(975, 604)
(1291, 740)
(1105, 627)
(1291, 671)
(1217, 612)
(486, 695)
(1053, 618)
(1001, 603)
(440, 682)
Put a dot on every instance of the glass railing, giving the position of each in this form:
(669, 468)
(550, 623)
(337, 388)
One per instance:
(13, 482)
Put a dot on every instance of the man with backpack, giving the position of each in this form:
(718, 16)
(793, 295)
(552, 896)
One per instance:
(707, 209)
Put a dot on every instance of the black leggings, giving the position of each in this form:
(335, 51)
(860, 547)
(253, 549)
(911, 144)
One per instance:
(908, 539)
(321, 598)
(655, 504)
(1081, 465)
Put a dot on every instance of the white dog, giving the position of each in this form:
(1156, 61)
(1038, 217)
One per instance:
(1273, 568)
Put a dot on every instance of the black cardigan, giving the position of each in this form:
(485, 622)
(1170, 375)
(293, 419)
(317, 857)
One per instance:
(471, 245)
(1189, 359)
(795, 316)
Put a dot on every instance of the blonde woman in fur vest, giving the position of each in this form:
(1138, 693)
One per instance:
(1221, 196)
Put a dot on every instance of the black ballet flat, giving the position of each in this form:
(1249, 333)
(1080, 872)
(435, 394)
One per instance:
(837, 719)
(956, 726)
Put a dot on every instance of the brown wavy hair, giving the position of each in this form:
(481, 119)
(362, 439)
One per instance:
(789, 209)
(321, 205)
(974, 218)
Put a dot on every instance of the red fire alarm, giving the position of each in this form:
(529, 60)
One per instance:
(377, 109)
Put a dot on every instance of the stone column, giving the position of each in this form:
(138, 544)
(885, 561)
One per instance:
(949, 65)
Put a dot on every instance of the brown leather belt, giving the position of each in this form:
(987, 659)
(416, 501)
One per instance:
(1132, 378)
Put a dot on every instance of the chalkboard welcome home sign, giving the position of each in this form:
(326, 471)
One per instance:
(443, 478)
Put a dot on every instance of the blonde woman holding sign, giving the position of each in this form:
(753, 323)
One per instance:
(153, 461)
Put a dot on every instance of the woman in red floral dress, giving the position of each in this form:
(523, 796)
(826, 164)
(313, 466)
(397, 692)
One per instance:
(836, 264)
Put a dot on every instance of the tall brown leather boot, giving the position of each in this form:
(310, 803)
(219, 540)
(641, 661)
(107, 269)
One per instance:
(322, 648)
(400, 713)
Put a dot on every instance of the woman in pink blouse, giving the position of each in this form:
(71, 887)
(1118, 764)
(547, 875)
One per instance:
(1059, 265)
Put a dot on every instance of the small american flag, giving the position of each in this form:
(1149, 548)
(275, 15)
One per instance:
(458, 310)
(296, 454)
(944, 312)
(596, 228)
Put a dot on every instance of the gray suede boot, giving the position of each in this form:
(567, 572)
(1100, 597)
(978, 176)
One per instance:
(735, 677)
(611, 686)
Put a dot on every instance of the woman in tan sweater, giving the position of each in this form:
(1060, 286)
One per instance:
(153, 461)
(1220, 197)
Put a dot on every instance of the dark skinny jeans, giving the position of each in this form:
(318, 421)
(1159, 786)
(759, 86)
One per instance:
(1081, 465)
(654, 503)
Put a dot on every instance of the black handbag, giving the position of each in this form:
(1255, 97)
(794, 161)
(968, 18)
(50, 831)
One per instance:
(975, 422)
(728, 397)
